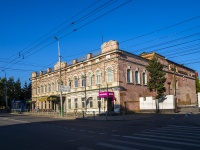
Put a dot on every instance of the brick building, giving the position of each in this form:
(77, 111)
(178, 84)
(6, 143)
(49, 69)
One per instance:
(111, 80)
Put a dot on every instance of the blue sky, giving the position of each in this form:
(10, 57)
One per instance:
(27, 28)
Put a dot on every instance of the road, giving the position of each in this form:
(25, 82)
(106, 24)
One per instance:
(42, 132)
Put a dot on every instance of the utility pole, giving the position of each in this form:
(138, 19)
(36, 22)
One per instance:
(6, 90)
(175, 88)
(60, 80)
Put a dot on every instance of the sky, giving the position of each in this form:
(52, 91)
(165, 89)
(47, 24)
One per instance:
(27, 29)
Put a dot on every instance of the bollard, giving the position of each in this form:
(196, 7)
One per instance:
(106, 115)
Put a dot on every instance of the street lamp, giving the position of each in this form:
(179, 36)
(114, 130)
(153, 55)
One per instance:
(6, 89)
(60, 80)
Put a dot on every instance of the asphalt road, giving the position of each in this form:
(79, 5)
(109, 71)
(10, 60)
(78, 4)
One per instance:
(27, 132)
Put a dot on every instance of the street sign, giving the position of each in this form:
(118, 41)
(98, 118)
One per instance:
(65, 88)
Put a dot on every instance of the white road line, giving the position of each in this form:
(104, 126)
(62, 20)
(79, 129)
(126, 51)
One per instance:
(185, 133)
(182, 127)
(171, 138)
(82, 130)
(144, 145)
(168, 134)
(164, 141)
(115, 146)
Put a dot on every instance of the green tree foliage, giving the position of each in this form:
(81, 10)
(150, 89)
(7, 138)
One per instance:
(14, 90)
(197, 85)
(156, 77)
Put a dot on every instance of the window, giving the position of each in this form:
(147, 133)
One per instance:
(41, 89)
(76, 103)
(109, 75)
(53, 87)
(89, 79)
(137, 77)
(38, 90)
(129, 76)
(83, 102)
(90, 102)
(45, 88)
(49, 88)
(144, 78)
(83, 81)
(69, 104)
(98, 77)
(75, 82)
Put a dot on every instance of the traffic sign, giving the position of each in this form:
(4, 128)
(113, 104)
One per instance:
(65, 88)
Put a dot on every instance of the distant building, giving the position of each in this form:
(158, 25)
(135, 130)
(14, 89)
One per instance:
(112, 80)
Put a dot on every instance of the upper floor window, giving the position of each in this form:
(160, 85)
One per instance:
(49, 87)
(144, 78)
(41, 89)
(137, 77)
(45, 88)
(38, 90)
(83, 81)
(98, 77)
(109, 75)
(129, 76)
(89, 79)
(53, 87)
(75, 82)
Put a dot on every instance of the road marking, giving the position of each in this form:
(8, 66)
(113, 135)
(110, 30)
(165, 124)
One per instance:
(164, 141)
(91, 131)
(167, 134)
(82, 130)
(164, 137)
(115, 146)
(182, 127)
(144, 145)
(161, 131)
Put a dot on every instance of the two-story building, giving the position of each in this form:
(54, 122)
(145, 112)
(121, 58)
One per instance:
(109, 81)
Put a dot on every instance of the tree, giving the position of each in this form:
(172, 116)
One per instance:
(156, 78)
(197, 85)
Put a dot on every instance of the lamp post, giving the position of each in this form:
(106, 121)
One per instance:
(60, 80)
(6, 90)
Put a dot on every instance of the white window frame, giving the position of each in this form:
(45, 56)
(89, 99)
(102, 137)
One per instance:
(76, 82)
(129, 78)
(110, 74)
(90, 79)
(98, 77)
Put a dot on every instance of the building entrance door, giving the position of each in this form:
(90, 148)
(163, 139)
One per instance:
(110, 105)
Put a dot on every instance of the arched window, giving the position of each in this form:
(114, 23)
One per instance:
(83, 80)
(137, 77)
(98, 77)
(75, 82)
(144, 78)
(89, 79)
(109, 75)
(129, 76)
